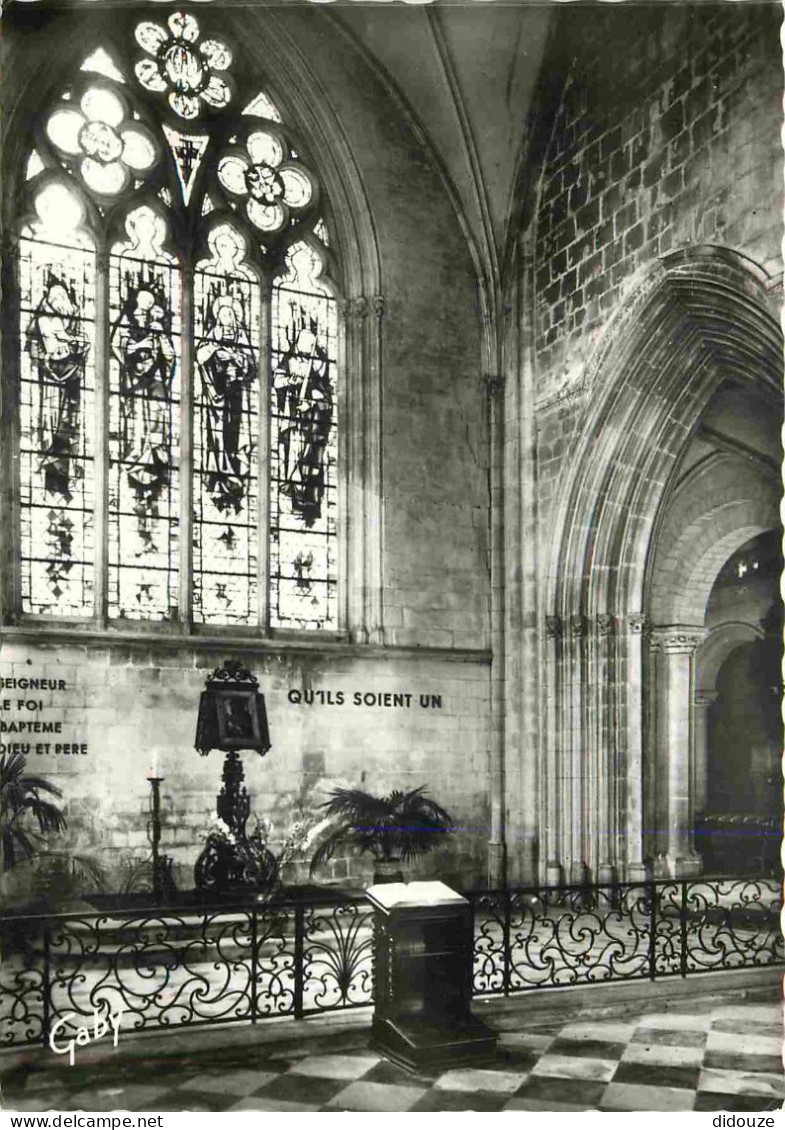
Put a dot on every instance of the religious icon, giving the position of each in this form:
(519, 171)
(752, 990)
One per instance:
(59, 348)
(238, 720)
(142, 343)
(227, 368)
(304, 401)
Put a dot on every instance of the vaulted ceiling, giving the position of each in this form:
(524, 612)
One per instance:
(466, 74)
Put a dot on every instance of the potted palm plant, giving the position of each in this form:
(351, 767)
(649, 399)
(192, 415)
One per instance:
(27, 818)
(22, 807)
(394, 828)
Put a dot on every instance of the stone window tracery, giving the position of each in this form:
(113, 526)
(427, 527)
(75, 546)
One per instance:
(178, 350)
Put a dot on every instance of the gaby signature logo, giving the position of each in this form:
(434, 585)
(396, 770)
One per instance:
(102, 1022)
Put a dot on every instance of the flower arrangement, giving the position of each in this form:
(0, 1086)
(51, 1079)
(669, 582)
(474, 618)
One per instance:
(232, 863)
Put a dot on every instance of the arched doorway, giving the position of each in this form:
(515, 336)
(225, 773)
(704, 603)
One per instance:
(675, 469)
(738, 730)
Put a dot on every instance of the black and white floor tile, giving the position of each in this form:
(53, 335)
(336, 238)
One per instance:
(727, 1058)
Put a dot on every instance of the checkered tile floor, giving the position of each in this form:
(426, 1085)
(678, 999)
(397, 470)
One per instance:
(728, 1058)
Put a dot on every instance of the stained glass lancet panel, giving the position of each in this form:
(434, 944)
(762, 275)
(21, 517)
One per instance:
(303, 448)
(144, 376)
(226, 428)
(57, 289)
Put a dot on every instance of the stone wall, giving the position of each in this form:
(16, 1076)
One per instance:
(135, 702)
(658, 142)
(676, 142)
(419, 721)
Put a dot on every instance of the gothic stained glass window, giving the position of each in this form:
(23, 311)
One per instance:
(57, 291)
(303, 447)
(144, 303)
(226, 433)
(178, 344)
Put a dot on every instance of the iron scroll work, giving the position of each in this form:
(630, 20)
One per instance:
(183, 966)
(547, 937)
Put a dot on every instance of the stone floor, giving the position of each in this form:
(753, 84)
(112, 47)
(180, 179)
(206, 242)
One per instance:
(719, 1057)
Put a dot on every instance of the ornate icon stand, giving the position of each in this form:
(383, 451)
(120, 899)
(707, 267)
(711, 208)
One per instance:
(232, 717)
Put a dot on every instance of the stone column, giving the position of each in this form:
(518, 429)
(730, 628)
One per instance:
(497, 871)
(677, 649)
(362, 492)
(576, 741)
(552, 782)
(700, 721)
(634, 779)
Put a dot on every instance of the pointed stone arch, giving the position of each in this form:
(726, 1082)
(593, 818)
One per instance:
(698, 317)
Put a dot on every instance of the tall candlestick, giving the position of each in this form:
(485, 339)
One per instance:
(155, 785)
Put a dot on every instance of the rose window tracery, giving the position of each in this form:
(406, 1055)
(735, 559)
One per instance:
(271, 187)
(183, 66)
(110, 145)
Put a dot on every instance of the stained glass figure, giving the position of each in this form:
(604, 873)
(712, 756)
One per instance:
(303, 486)
(227, 366)
(56, 408)
(226, 408)
(187, 150)
(262, 106)
(58, 346)
(144, 300)
(183, 67)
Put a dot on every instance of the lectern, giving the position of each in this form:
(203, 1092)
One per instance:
(423, 977)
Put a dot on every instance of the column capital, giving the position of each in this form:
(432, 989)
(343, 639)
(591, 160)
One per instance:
(605, 624)
(705, 698)
(356, 309)
(553, 627)
(639, 624)
(494, 385)
(678, 641)
(9, 245)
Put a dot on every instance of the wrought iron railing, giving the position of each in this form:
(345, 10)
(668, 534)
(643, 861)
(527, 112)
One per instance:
(532, 938)
(189, 965)
(176, 966)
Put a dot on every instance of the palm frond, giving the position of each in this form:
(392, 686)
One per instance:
(50, 818)
(403, 824)
(21, 804)
(356, 806)
(81, 869)
(17, 845)
(328, 846)
(13, 775)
